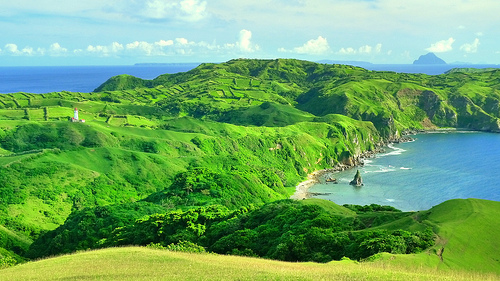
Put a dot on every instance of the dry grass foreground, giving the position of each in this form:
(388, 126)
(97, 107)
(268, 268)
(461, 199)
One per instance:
(139, 263)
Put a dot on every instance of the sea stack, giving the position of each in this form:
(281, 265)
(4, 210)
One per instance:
(357, 181)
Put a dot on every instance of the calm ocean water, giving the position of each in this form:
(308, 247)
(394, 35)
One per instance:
(46, 79)
(418, 175)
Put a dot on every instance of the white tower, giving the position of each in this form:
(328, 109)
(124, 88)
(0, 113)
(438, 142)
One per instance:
(75, 116)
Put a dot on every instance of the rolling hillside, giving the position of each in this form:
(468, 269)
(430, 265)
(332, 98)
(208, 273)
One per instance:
(238, 135)
(150, 264)
(463, 227)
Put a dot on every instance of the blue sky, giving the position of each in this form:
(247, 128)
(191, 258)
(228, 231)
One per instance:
(116, 32)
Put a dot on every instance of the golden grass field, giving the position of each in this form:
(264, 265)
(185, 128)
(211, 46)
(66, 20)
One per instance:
(139, 263)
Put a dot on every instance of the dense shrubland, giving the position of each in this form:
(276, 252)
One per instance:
(285, 230)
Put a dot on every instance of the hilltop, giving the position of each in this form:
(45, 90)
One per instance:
(221, 141)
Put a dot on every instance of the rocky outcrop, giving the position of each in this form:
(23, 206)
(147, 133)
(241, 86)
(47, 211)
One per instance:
(357, 181)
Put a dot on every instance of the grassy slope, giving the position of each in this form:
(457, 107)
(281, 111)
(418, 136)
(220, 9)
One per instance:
(122, 162)
(462, 225)
(467, 232)
(148, 264)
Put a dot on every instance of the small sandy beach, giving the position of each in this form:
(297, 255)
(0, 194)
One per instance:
(301, 190)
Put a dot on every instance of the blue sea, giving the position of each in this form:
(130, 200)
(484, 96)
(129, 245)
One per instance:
(84, 79)
(418, 175)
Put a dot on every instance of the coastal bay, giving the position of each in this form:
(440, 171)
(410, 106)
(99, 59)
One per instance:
(417, 175)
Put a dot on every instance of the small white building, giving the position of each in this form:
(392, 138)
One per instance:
(75, 116)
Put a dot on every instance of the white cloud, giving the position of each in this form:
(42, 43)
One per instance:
(245, 44)
(28, 51)
(365, 50)
(182, 41)
(314, 47)
(163, 43)
(470, 48)
(479, 34)
(171, 47)
(12, 48)
(185, 10)
(158, 9)
(442, 46)
(347, 51)
(193, 10)
(317, 46)
(115, 47)
(181, 46)
(142, 47)
(56, 50)
(105, 51)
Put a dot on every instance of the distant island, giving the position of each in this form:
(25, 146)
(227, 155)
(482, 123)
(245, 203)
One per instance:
(429, 58)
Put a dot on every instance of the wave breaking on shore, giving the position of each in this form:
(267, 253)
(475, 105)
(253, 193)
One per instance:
(302, 189)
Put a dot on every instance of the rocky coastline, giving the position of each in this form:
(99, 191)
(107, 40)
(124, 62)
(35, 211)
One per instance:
(302, 189)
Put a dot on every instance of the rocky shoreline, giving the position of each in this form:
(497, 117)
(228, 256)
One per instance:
(301, 190)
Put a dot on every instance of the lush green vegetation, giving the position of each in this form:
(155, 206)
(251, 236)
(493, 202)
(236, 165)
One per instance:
(205, 158)
(285, 230)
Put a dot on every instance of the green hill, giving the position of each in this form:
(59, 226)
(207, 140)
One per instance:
(306, 230)
(238, 137)
(150, 264)
(462, 99)
(466, 229)
(456, 220)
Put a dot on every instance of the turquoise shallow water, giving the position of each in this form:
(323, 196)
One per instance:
(418, 175)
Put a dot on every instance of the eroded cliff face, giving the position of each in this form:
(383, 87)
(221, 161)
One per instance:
(473, 116)
(437, 110)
